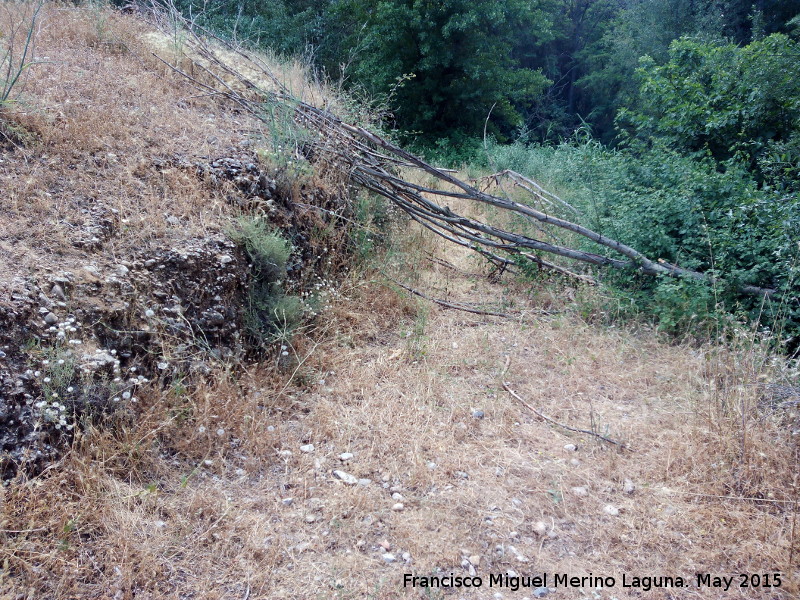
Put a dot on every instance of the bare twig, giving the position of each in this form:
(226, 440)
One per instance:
(540, 414)
(445, 304)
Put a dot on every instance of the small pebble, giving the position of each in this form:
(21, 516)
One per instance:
(307, 448)
(50, 319)
(628, 487)
(475, 559)
(610, 509)
(580, 491)
(310, 518)
(287, 501)
(398, 507)
(541, 592)
(478, 414)
(364, 482)
(388, 557)
(407, 556)
(345, 456)
(346, 477)
(570, 447)
(397, 496)
(574, 462)
(540, 528)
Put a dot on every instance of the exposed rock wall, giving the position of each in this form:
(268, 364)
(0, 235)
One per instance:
(82, 341)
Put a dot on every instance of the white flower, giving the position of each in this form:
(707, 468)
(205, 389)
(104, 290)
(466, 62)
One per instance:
(201, 429)
(149, 313)
(220, 431)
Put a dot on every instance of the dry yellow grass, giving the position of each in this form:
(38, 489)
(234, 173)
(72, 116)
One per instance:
(189, 496)
(187, 499)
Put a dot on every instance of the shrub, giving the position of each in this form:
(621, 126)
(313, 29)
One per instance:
(685, 211)
(271, 315)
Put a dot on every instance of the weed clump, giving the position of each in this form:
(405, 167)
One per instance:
(271, 315)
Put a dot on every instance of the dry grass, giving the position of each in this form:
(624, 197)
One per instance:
(188, 498)
(103, 126)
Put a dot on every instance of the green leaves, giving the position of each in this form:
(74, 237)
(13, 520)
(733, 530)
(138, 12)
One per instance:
(461, 55)
(739, 105)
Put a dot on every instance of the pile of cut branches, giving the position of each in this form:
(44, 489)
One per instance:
(370, 160)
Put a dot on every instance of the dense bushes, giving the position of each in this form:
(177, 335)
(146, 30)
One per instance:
(684, 211)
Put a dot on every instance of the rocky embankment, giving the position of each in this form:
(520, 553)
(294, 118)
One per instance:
(79, 340)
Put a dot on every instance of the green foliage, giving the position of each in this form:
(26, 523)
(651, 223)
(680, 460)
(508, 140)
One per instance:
(736, 104)
(461, 55)
(684, 211)
(271, 315)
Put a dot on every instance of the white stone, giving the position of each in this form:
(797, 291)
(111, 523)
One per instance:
(346, 477)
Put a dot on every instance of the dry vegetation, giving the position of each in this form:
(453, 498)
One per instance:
(202, 490)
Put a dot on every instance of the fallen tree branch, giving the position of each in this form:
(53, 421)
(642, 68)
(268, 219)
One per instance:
(371, 161)
(507, 387)
(445, 304)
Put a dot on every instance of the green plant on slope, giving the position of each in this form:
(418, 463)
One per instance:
(271, 315)
(17, 46)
